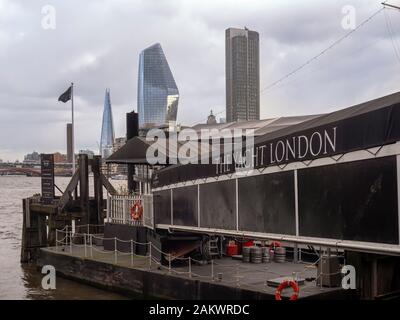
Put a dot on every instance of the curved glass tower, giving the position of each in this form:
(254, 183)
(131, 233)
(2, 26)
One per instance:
(107, 129)
(158, 95)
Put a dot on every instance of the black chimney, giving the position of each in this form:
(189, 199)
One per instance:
(132, 130)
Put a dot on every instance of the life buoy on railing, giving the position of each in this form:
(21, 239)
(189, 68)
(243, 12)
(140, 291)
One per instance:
(284, 285)
(275, 244)
(137, 210)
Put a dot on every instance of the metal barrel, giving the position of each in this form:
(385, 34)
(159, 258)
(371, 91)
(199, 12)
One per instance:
(265, 255)
(256, 254)
(280, 254)
(246, 254)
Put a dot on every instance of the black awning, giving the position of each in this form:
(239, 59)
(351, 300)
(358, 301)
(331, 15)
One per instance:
(134, 151)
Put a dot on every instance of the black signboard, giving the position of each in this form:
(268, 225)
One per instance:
(47, 167)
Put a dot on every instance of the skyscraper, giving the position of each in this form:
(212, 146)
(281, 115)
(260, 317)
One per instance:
(107, 129)
(158, 95)
(242, 74)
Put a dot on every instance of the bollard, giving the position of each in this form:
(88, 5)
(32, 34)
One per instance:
(115, 251)
(212, 270)
(169, 263)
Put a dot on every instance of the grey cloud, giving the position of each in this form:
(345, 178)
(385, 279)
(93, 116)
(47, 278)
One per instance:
(97, 43)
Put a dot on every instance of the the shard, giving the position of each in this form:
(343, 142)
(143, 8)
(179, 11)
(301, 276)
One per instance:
(107, 129)
(158, 95)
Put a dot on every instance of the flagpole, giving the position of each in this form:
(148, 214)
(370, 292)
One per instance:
(73, 128)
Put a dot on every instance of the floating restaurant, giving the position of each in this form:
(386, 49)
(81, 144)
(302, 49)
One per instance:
(322, 185)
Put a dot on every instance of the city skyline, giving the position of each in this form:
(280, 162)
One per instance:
(196, 54)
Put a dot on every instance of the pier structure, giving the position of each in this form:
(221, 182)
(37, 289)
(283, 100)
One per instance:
(41, 218)
(124, 267)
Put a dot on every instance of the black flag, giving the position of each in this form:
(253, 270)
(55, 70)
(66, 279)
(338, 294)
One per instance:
(66, 96)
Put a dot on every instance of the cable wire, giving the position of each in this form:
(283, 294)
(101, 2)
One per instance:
(335, 43)
(389, 28)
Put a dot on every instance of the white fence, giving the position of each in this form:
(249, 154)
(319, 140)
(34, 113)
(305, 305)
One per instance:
(120, 209)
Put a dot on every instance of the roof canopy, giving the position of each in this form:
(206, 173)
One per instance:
(366, 125)
(371, 124)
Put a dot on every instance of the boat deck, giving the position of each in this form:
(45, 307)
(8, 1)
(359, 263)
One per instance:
(225, 272)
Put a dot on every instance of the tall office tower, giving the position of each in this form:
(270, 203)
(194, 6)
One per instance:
(158, 95)
(69, 143)
(107, 129)
(242, 68)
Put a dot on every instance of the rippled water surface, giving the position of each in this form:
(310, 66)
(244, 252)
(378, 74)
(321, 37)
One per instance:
(24, 281)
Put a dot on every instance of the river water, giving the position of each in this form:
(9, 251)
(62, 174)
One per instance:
(24, 281)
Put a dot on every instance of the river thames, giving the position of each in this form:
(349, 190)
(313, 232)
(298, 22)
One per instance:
(19, 281)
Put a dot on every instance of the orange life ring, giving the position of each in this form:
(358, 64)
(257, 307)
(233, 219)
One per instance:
(136, 210)
(275, 244)
(284, 285)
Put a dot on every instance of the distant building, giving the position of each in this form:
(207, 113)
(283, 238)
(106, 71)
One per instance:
(60, 158)
(222, 120)
(118, 143)
(211, 119)
(89, 153)
(107, 129)
(118, 168)
(32, 158)
(158, 95)
(242, 69)
(69, 143)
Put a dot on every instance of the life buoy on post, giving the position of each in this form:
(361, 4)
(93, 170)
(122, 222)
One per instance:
(284, 285)
(136, 210)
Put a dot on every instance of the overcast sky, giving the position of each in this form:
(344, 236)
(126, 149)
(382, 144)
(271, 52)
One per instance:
(96, 44)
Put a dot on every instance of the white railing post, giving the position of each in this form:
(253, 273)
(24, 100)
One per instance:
(70, 241)
(190, 267)
(84, 242)
(212, 270)
(124, 211)
(115, 251)
(91, 245)
(131, 253)
(149, 255)
(57, 240)
(108, 208)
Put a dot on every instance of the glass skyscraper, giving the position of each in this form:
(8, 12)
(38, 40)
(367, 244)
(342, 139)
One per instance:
(158, 95)
(107, 129)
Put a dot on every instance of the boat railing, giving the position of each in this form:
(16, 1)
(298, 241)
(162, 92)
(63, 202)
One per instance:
(134, 210)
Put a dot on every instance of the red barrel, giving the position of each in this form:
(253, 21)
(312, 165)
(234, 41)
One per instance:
(232, 250)
(249, 243)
